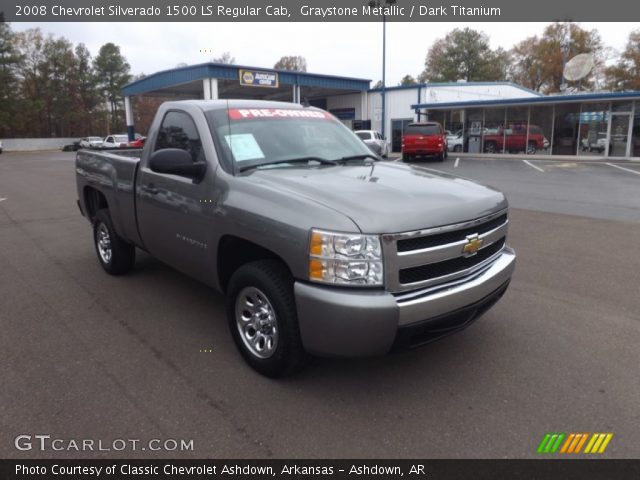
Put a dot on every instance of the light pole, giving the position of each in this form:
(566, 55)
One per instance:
(377, 4)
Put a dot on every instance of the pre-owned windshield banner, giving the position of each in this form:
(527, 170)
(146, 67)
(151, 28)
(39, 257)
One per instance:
(316, 11)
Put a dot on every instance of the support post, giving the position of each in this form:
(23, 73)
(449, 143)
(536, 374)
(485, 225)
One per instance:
(128, 112)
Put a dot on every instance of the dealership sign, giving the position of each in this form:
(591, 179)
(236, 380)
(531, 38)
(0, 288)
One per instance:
(255, 78)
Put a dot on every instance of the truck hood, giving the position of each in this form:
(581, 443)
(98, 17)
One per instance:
(387, 197)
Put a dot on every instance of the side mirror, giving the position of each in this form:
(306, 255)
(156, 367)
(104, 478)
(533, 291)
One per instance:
(176, 161)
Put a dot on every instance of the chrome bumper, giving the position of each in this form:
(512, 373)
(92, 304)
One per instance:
(355, 323)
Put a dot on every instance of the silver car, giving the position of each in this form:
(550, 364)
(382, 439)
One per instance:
(374, 141)
(91, 142)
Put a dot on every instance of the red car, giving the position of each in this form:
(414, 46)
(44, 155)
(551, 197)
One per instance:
(424, 139)
(137, 143)
(514, 139)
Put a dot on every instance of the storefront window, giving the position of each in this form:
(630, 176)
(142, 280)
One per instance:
(623, 106)
(455, 121)
(594, 119)
(473, 131)
(437, 116)
(493, 131)
(515, 134)
(541, 129)
(565, 130)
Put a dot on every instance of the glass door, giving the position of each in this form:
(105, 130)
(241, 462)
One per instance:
(619, 135)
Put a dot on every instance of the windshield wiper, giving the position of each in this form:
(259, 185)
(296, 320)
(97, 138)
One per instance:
(358, 157)
(324, 161)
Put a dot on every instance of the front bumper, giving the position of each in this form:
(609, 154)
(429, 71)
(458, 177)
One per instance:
(344, 322)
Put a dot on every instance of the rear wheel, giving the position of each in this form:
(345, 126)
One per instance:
(457, 148)
(531, 148)
(490, 147)
(440, 157)
(262, 317)
(116, 256)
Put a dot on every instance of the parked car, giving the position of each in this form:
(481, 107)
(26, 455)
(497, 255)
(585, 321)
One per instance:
(115, 141)
(137, 143)
(455, 141)
(424, 139)
(318, 247)
(374, 141)
(71, 147)
(514, 139)
(91, 142)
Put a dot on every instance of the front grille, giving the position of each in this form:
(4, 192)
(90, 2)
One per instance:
(419, 243)
(447, 267)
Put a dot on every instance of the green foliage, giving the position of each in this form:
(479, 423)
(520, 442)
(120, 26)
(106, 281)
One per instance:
(625, 74)
(464, 55)
(292, 62)
(112, 73)
(9, 61)
(408, 80)
(537, 62)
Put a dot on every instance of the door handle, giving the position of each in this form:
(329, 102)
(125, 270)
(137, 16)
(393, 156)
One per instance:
(151, 189)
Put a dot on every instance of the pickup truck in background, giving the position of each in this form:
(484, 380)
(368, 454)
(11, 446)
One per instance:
(319, 247)
(514, 139)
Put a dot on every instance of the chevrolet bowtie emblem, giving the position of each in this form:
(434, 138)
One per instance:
(473, 245)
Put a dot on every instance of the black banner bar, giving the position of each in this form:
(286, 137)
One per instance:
(544, 469)
(317, 10)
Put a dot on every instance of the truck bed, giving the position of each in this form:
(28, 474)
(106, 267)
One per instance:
(113, 174)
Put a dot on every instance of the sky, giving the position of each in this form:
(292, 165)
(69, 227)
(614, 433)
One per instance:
(347, 49)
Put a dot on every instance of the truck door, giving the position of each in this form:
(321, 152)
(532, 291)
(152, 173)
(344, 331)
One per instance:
(175, 216)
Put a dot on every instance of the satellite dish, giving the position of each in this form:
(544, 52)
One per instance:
(578, 67)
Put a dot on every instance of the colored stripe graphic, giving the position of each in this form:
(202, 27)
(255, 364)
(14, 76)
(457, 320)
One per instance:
(551, 442)
(573, 443)
(598, 443)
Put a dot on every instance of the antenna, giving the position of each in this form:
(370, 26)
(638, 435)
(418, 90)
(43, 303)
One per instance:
(578, 67)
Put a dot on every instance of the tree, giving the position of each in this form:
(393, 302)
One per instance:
(464, 55)
(378, 84)
(112, 72)
(9, 62)
(292, 62)
(625, 74)
(225, 58)
(407, 80)
(538, 62)
(88, 93)
(31, 116)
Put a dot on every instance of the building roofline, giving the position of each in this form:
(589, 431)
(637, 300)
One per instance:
(532, 100)
(161, 79)
(457, 84)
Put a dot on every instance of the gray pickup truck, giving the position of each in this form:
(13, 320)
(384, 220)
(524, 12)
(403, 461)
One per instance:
(319, 247)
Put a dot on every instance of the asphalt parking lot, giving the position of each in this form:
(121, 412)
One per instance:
(85, 355)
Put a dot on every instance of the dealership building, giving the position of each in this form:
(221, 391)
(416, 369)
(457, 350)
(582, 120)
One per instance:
(483, 118)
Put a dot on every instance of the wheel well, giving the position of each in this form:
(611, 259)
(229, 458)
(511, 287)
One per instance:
(94, 201)
(233, 252)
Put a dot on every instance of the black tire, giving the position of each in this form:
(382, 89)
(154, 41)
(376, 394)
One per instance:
(122, 254)
(532, 148)
(457, 148)
(490, 147)
(272, 280)
(407, 158)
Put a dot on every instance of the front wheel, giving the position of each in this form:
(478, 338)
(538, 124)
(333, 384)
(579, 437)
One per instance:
(457, 148)
(532, 148)
(262, 317)
(116, 256)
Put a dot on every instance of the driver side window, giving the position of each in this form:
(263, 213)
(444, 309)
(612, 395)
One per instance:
(179, 131)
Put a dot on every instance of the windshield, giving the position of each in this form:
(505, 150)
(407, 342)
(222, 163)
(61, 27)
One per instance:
(364, 135)
(258, 137)
(121, 139)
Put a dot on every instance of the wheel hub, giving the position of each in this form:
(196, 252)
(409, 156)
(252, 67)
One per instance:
(104, 243)
(256, 322)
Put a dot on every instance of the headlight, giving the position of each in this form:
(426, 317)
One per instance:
(345, 259)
